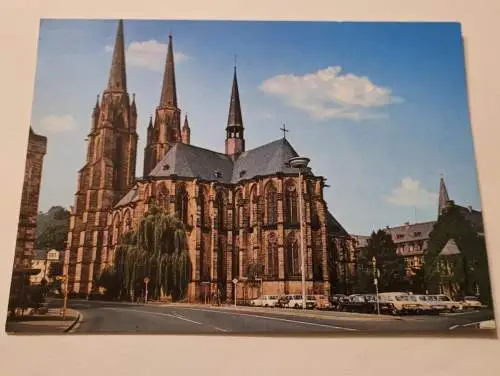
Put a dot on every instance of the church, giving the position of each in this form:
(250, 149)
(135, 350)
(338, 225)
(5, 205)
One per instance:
(239, 208)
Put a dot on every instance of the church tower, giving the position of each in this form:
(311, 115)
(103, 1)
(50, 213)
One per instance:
(167, 124)
(107, 175)
(443, 197)
(235, 142)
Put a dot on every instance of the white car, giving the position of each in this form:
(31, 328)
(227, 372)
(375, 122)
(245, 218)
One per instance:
(265, 301)
(471, 302)
(450, 304)
(430, 304)
(296, 301)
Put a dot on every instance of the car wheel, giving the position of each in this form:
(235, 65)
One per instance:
(394, 312)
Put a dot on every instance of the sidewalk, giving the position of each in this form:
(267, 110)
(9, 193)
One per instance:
(50, 323)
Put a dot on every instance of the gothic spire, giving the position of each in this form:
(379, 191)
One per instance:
(117, 77)
(235, 118)
(186, 124)
(169, 90)
(443, 196)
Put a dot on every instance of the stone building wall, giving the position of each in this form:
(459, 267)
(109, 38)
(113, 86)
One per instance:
(26, 233)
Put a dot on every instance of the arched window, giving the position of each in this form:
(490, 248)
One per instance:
(220, 209)
(202, 201)
(127, 222)
(181, 205)
(163, 198)
(238, 210)
(292, 256)
(291, 204)
(253, 205)
(272, 256)
(271, 210)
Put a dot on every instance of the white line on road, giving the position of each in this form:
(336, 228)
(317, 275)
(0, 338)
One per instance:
(155, 313)
(174, 315)
(276, 319)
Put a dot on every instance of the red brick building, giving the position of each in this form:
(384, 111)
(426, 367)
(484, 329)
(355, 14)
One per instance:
(239, 207)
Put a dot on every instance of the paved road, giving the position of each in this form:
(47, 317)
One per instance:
(117, 317)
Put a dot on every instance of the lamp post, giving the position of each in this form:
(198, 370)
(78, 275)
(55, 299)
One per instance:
(375, 281)
(301, 163)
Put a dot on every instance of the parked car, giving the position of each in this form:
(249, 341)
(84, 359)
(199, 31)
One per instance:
(322, 302)
(358, 303)
(296, 301)
(282, 301)
(469, 302)
(265, 301)
(397, 303)
(450, 304)
(336, 301)
(430, 304)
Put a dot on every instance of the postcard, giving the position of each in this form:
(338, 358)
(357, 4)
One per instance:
(258, 178)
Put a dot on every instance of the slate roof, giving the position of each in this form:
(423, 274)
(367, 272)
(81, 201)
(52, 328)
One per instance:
(190, 161)
(131, 196)
(334, 227)
(411, 232)
(450, 248)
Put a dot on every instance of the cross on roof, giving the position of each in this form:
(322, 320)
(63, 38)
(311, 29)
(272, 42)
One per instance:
(284, 130)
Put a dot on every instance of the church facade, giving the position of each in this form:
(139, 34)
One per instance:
(240, 208)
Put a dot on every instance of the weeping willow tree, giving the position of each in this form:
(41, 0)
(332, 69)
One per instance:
(157, 250)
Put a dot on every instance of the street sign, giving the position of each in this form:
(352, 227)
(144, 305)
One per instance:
(235, 281)
(375, 281)
(378, 273)
(146, 280)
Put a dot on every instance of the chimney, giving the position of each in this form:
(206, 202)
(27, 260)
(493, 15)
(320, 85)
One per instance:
(470, 208)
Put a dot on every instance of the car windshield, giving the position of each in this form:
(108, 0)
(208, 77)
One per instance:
(273, 297)
(310, 297)
(444, 299)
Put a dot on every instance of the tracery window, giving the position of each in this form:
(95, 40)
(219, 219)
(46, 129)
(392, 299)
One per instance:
(220, 209)
(272, 256)
(181, 205)
(292, 256)
(253, 206)
(271, 207)
(291, 204)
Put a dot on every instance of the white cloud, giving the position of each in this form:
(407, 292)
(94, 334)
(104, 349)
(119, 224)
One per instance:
(328, 93)
(411, 193)
(149, 54)
(58, 123)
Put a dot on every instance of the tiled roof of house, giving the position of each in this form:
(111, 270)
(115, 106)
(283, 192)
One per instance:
(411, 232)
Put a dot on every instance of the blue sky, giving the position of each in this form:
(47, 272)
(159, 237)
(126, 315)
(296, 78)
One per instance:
(380, 108)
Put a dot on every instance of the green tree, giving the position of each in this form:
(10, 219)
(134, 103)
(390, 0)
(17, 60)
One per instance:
(470, 267)
(389, 263)
(52, 228)
(157, 250)
(110, 281)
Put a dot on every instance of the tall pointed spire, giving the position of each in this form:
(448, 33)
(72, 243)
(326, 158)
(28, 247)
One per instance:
(117, 76)
(443, 196)
(235, 141)
(235, 118)
(169, 90)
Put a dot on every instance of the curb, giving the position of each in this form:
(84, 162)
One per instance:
(73, 324)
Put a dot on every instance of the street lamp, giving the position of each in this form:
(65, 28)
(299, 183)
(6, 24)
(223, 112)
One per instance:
(375, 281)
(301, 163)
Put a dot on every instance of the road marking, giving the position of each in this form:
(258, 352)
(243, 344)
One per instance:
(278, 319)
(175, 315)
(157, 313)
